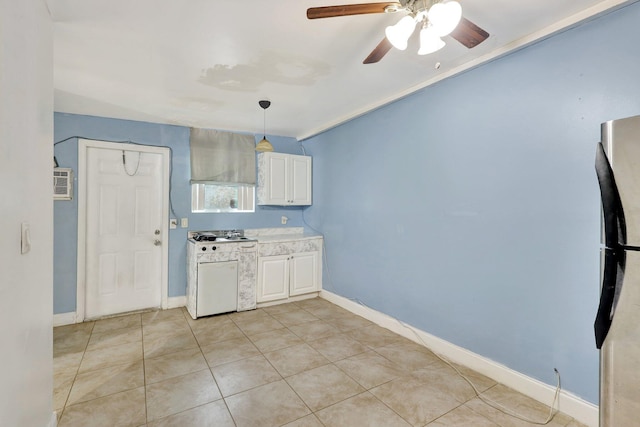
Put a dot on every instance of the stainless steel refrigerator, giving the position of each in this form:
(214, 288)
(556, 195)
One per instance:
(617, 324)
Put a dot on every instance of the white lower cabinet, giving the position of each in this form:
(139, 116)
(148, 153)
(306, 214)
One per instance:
(288, 269)
(273, 278)
(303, 273)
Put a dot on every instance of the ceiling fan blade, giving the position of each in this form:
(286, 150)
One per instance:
(379, 52)
(350, 9)
(469, 34)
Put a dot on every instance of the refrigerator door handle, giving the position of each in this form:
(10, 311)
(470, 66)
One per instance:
(613, 221)
(611, 285)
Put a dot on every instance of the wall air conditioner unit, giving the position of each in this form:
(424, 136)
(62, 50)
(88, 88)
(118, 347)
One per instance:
(62, 184)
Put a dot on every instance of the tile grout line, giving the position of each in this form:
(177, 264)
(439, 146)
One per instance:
(75, 376)
(210, 371)
(144, 373)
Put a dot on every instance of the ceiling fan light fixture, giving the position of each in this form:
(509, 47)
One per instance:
(429, 41)
(445, 17)
(398, 34)
(264, 144)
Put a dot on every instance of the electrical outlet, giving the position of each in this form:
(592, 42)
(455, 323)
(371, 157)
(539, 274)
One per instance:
(173, 223)
(284, 219)
(184, 222)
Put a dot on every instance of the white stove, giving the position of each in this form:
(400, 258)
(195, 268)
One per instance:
(207, 240)
(221, 272)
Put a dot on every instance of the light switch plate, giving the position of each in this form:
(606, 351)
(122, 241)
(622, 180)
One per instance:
(184, 222)
(25, 238)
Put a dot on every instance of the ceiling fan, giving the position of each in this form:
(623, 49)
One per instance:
(437, 19)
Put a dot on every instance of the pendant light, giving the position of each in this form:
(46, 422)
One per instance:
(264, 144)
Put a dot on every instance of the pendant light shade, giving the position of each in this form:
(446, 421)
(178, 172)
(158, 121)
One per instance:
(445, 17)
(398, 34)
(264, 144)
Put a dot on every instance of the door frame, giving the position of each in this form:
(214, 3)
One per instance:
(83, 145)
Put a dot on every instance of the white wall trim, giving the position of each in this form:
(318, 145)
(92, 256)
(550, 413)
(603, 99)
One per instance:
(581, 410)
(62, 319)
(53, 422)
(71, 317)
(175, 302)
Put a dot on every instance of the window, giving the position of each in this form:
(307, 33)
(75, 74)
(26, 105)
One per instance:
(222, 198)
(223, 171)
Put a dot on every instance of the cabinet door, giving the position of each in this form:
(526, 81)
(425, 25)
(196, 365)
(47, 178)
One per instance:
(303, 270)
(300, 184)
(273, 278)
(277, 179)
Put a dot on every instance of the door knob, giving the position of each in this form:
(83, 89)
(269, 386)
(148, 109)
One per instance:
(156, 232)
(157, 242)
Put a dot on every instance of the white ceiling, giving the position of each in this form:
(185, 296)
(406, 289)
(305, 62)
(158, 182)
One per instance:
(207, 63)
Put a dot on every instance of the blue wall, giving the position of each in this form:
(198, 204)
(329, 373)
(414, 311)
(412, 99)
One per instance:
(176, 137)
(471, 208)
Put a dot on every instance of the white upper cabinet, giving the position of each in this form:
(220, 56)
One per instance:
(284, 179)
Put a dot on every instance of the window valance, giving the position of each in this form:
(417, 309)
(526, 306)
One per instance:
(222, 157)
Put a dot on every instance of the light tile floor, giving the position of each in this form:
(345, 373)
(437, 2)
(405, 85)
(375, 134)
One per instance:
(300, 364)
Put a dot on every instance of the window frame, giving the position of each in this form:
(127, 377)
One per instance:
(246, 198)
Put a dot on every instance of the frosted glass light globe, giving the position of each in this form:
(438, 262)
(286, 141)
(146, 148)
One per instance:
(445, 17)
(398, 35)
(429, 41)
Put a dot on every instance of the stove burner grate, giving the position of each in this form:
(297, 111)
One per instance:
(204, 238)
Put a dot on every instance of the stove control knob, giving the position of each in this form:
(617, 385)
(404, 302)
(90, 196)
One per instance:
(213, 248)
(204, 248)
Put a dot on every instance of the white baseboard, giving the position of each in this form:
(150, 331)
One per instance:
(62, 319)
(175, 302)
(583, 411)
(70, 318)
(287, 300)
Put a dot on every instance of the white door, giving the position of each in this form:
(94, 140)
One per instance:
(125, 234)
